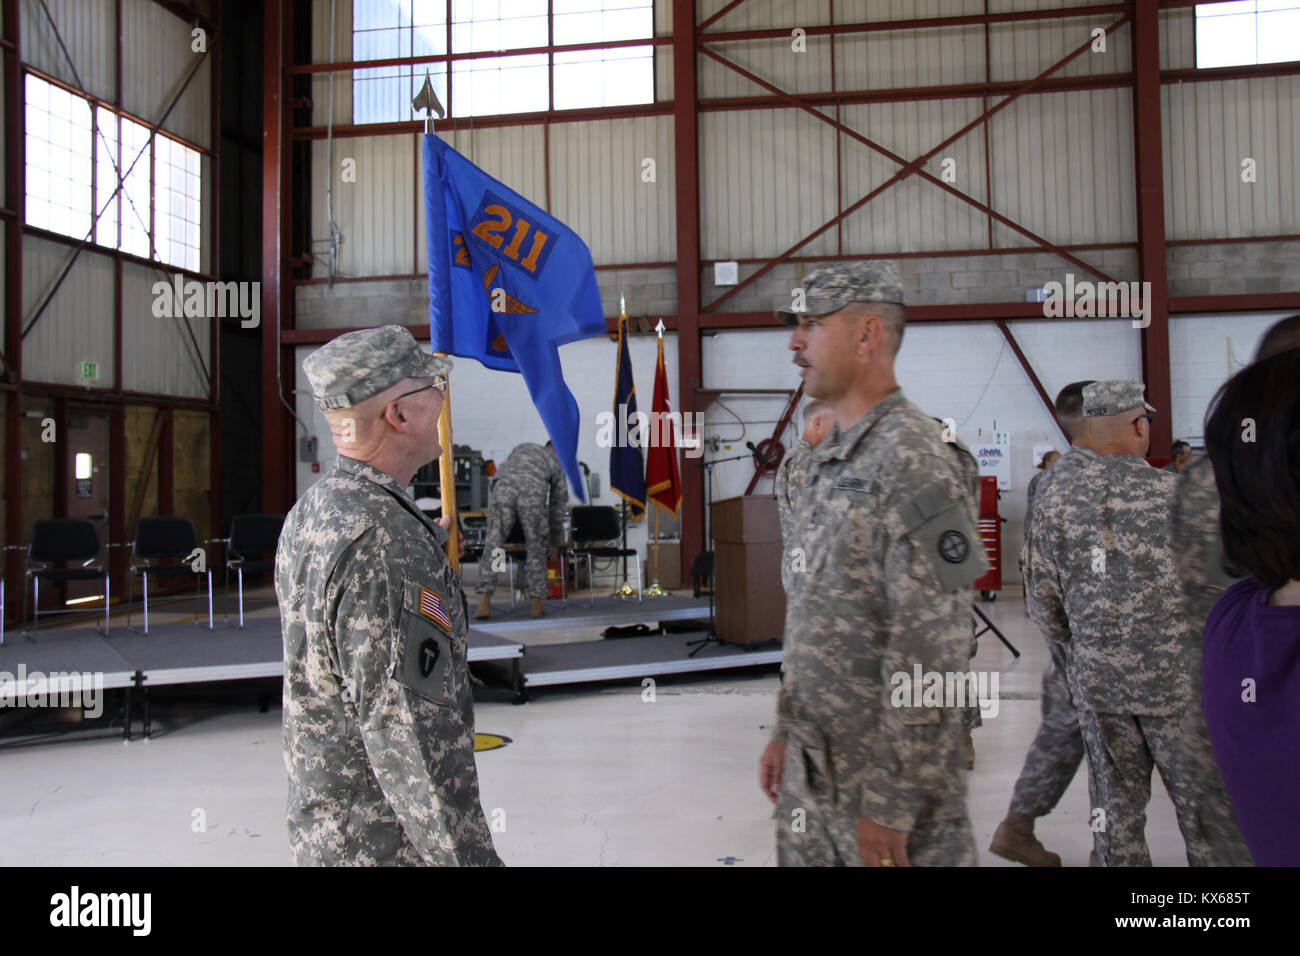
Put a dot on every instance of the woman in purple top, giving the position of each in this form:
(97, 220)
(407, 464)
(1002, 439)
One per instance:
(1251, 666)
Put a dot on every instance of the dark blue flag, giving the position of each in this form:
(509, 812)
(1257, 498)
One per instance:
(508, 285)
(626, 465)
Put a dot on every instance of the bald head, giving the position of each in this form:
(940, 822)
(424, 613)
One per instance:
(1126, 433)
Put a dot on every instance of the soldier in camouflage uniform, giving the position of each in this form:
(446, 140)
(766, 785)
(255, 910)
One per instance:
(530, 486)
(887, 519)
(378, 713)
(1057, 748)
(817, 420)
(1100, 577)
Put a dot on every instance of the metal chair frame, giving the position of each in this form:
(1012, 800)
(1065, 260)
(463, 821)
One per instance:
(143, 570)
(43, 569)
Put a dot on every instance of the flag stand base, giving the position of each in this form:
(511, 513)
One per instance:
(654, 590)
(625, 591)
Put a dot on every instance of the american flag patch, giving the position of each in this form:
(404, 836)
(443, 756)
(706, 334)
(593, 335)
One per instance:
(431, 606)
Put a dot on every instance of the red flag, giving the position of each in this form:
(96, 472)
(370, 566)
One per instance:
(663, 483)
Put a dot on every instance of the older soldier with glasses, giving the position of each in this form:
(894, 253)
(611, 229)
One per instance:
(378, 711)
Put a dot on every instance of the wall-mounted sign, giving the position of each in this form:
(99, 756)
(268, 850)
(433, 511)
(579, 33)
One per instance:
(994, 458)
(90, 371)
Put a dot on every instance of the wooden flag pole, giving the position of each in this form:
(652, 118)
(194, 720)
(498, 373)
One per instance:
(427, 100)
(656, 577)
(447, 478)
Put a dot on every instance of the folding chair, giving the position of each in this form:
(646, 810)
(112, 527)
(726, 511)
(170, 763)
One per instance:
(252, 538)
(596, 523)
(64, 539)
(158, 539)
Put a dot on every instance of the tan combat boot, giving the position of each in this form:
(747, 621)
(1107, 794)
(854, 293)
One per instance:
(484, 608)
(538, 610)
(1014, 840)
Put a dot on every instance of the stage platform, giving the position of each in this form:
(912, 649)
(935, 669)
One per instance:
(630, 657)
(188, 653)
(608, 611)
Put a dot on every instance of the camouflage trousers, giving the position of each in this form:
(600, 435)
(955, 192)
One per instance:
(1057, 750)
(812, 831)
(1122, 748)
(507, 505)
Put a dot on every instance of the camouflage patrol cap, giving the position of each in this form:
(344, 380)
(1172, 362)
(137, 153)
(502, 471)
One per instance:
(359, 365)
(833, 287)
(1113, 397)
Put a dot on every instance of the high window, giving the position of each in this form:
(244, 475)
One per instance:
(75, 153)
(1246, 32)
(518, 83)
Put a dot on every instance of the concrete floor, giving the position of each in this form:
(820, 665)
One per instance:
(593, 777)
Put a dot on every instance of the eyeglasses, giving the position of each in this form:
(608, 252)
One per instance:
(1149, 416)
(439, 382)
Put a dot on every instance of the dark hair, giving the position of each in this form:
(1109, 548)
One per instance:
(1177, 447)
(1282, 335)
(1069, 406)
(1252, 434)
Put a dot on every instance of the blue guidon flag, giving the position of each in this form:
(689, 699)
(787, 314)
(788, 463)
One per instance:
(508, 285)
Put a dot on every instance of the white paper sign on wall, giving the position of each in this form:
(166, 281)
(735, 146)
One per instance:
(993, 452)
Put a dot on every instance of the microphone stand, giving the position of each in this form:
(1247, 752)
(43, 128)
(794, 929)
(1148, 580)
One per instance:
(710, 637)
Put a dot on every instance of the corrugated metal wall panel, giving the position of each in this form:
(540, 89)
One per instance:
(1209, 129)
(762, 14)
(1022, 50)
(767, 179)
(904, 58)
(157, 355)
(77, 325)
(375, 214)
(596, 186)
(89, 30)
(1178, 39)
(320, 37)
(913, 215)
(1063, 167)
(664, 54)
(156, 57)
(770, 60)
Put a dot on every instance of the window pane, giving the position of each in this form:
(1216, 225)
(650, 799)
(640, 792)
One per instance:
(58, 160)
(508, 84)
(1279, 35)
(1225, 40)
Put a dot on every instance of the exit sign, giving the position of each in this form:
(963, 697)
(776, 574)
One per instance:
(90, 371)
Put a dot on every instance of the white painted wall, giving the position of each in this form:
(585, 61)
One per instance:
(963, 371)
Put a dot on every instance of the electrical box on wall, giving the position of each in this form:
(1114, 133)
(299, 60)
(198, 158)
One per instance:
(307, 448)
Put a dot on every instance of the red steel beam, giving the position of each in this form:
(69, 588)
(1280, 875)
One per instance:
(276, 232)
(913, 167)
(343, 66)
(689, 365)
(921, 23)
(711, 20)
(1256, 302)
(1033, 376)
(537, 118)
(1151, 218)
(15, 199)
